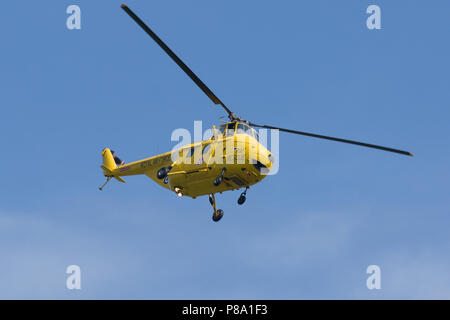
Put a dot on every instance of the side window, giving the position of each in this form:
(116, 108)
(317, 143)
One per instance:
(175, 155)
(207, 150)
(190, 152)
(230, 130)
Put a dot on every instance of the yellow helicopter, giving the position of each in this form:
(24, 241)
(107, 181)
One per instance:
(233, 158)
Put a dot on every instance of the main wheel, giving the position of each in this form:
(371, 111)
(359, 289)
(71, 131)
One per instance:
(241, 199)
(217, 215)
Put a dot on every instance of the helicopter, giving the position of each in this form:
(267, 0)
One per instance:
(232, 159)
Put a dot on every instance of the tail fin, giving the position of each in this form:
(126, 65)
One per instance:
(109, 164)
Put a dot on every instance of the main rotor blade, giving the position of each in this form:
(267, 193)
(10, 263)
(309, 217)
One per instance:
(363, 144)
(177, 60)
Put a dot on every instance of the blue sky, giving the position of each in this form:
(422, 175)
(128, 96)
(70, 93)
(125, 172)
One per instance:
(308, 232)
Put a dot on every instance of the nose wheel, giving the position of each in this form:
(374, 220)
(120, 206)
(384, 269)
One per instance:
(242, 197)
(218, 213)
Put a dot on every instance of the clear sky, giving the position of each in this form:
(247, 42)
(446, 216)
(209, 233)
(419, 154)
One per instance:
(310, 231)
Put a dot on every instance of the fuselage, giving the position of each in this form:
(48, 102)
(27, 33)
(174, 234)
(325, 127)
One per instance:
(234, 149)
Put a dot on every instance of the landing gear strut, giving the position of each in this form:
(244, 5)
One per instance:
(219, 179)
(107, 180)
(242, 197)
(218, 213)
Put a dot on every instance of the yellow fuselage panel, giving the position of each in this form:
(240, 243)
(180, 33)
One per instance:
(198, 164)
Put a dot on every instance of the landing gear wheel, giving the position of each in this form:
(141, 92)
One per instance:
(217, 215)
(241, 199)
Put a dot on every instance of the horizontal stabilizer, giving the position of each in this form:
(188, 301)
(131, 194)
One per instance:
(119, 179)
(109, 173)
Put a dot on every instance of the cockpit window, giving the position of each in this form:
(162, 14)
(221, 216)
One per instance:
(222, 129)
(230, 130)
(248, 130)
(245, 129)
(240, 129)
(255, 134)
